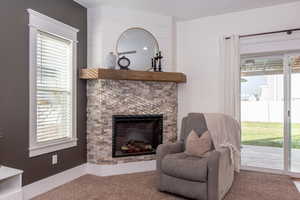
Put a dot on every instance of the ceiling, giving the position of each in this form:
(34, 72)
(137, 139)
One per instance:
(186, 9)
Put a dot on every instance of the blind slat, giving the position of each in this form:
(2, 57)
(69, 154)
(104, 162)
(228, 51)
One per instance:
(53, 88)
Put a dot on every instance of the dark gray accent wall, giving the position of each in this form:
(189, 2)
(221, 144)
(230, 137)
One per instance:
(14, 86)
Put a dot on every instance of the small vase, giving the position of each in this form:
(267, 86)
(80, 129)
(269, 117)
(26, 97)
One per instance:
(111, 61)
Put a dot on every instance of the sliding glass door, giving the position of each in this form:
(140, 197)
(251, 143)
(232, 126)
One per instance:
(293, 152)
(270, 111)
(262, 108)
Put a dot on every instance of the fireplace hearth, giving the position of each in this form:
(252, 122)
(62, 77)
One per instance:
(135, 135)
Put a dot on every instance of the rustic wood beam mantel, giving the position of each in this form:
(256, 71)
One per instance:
(101, 73)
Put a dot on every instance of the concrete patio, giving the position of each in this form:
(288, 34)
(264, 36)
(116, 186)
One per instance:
(268, 157)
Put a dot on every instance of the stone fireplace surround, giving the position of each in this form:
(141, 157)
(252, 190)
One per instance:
(123, 97)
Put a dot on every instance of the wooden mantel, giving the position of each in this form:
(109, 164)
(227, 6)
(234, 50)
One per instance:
(101, 73)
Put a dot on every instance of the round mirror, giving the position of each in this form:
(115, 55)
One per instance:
(139, 46)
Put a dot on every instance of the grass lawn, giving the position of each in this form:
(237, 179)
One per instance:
(268, 134)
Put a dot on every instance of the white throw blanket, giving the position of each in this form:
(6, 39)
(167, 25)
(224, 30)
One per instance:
(225, 132)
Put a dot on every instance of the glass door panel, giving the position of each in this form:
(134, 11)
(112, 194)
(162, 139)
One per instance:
(294, 63)
(262, 112)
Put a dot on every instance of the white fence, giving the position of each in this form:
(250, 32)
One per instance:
(268, 111)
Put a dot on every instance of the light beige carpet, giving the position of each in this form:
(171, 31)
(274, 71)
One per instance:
(141, 186)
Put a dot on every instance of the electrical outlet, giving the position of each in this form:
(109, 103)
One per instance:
(54, 159)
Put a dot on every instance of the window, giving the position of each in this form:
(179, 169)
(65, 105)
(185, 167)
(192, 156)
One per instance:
(52, 85)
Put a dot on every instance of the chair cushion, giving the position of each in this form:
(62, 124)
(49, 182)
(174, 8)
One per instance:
(185, 167)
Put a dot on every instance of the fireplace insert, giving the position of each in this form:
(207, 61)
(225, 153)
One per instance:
(135, 135)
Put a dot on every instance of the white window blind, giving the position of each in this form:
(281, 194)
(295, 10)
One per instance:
(53, 88)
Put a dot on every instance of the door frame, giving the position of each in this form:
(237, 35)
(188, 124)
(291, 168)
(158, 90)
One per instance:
(287, 113)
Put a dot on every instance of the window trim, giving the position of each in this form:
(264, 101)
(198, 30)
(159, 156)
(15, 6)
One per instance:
(40, 22)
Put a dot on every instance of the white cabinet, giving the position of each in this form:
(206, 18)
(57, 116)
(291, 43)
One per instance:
(10, 184)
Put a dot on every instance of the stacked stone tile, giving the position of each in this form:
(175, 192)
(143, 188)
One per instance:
(120, 97)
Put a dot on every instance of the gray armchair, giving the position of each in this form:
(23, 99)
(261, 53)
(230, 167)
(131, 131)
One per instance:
(204, 178)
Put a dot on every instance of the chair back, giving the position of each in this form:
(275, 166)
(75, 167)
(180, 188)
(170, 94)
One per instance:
(194, 121)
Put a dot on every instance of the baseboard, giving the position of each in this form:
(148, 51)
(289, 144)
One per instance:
(46, 184)
(263, 170)
(123, 168)
(297, 184)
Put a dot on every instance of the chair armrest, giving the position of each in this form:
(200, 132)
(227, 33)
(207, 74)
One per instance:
(226, 171)
(165, 149)
(220, 173)
(213, 175)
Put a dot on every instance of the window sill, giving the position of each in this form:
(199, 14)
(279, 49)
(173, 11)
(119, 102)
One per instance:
(43, 149)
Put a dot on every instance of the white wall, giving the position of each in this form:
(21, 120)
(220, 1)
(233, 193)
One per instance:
(198, 51)
(106, 24)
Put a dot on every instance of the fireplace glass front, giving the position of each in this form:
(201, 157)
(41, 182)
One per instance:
(135, 135)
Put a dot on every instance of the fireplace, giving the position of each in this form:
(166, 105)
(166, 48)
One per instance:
(135, 135)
